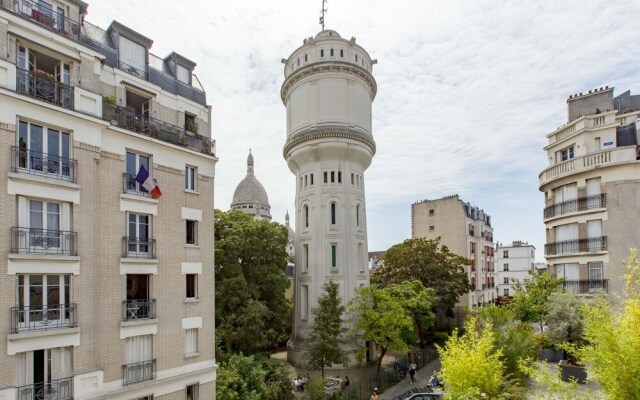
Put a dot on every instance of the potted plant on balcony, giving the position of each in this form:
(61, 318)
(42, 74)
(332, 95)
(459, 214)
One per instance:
(565, 330)
(191, 126)
(42, 75)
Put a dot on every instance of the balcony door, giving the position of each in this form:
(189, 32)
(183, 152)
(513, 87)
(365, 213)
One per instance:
(566, 238)
(562, 198)
(138, 233)
(134, 162)
(45, 374)
(44, 225)
(44, 150)
(569, 272)
(594, 233)
(43, 301)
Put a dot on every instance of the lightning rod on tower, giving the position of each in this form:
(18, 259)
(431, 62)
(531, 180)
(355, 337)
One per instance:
(323, 12)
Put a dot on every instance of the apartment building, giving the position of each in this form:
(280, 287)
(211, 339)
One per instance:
(466, 230)
(591, 190)
(106, 212)
(513, 263)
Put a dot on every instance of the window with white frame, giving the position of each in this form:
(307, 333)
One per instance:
(44, 301)
(506, 280)
(139, 235)
(595, 271)
(305, 257)
(44, 150)
(40, 367)
(139, 359)
(192, 232)
(191, 290)
(567, 153)
(135, 162)
(505, 267)
(333, 213)
(190, 175)
(506, 291)
(305, 209)
(334, 255)
(183, 74)
(192, 392)
(191, 341)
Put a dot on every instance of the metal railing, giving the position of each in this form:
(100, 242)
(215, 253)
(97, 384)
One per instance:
(140, 73)
(42, 14)
(130, 185)
(587, 285)
(148, 126)
(138, 372)
(59, 389)
(578, 204)
(43, 86)
(38, 163)
(43, 241)
(593, 244)
(133, 247)
(138, 309)
(33, 318)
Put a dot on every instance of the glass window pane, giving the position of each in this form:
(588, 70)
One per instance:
(131, 164)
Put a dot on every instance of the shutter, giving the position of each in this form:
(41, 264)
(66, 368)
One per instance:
(571, 272)
(594, 187)
(132, 54)
(183, 74)
(594, 228)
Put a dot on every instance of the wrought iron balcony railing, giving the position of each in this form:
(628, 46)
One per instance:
(130, 185)
(38, 163)
(59, 389)
(148, 126)
(133, 247)
(42, 14)
(139, 372)
(140, 73)
(33, 318)
(45, 87)
(587, 286)
(43, 241)
(138, 309)
(579, 204)
(594, 244)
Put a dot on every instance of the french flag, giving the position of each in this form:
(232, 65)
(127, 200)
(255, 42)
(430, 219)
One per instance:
(148, 183)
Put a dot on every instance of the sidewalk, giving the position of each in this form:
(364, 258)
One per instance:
(422, 378)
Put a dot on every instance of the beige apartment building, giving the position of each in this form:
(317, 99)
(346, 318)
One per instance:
(591, 189)
(106, 290)
(466, 230)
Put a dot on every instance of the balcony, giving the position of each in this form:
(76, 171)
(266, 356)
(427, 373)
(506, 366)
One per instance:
(131, 186)
(133, 310)
(589, 245)
(43, 86)
(586, 286)
(140, 73)
(36, 163)
(42, 14)
(579, 204)
(133, 247)
(138, 372)
(59, 389)
(43, 241)
(618, 155)
(35, 318)
(151, 127)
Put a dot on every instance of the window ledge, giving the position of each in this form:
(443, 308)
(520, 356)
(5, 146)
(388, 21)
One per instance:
(334, 270)
(38, 256)
(138, 197)
(191, 191)
(192, 300)
(191, 246)
(191, 355)
(141, 321)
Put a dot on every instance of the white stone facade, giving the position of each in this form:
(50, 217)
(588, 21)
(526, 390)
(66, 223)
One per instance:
(328, 92)
(513, 262)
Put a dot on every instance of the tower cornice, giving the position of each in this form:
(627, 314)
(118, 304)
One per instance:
(328, 66)
(323, 132)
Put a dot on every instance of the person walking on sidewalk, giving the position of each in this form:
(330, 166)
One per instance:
(412, 371)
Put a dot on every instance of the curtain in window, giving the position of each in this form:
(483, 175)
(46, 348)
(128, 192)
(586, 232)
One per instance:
(61, 362)
(132, 54)
(191, 341)
(594, 233)
(594, 187)
(570, 272)
(595, 271)
(25, 368)
(567, 234)
(138, 349)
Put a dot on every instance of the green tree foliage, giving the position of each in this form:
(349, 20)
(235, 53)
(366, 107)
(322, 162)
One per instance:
(418, 301)
(249, 378)
(565, 321)
(431, 264)
(386, 316)
(327, 330)
(530, 302)
(471, 363)
(613, 336)
(251, 307)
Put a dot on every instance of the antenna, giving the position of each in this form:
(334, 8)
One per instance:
(323, 11)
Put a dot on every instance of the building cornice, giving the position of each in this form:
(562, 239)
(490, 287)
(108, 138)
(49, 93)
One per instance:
(328, 132)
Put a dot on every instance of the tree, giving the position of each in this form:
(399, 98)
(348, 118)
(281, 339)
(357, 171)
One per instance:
(530, 302)
(243, 377)
(431, 264)
(380, 316)
(613, 342)
(471, 363)
(418, 301)
(327, 329)
(250, 257)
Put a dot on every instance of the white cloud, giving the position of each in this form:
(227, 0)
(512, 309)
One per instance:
(467, 91)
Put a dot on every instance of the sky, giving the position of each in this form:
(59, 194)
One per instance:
(467, 91)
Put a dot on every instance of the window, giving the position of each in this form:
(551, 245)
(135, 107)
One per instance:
(506, 291)
(306, 181)
(139, 243)
(44, 302)
(305, 58)
(358, 215)
(191, 341)
(306, 216)
(183, 74)
(339, 176)
(505, 267)
(191, 286)
(333, 213)
(305, 257)
(595, 271)
(321, 53)
(44, 226)
(190, 178)
(41, 367)
(192, 391)
(506, 280)
(190, 123)
(341, 53)
(432, 228)
(304, 302)
(567, 153)
(298, 61)
(356, 58)
(139, 359)
(40, 75)
(334, 255)
(361, 260)
(333, 177)
(331, 52)
(192, 232)
(132, 57)
(325, 177)
(43, 150)
(134, 163)
(311, 178)
(352, 179)
(432, 212)
(505, 254)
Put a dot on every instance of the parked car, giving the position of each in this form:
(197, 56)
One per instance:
(426, 396)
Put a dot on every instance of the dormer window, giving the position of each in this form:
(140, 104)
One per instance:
(183, 74)
(133, 58)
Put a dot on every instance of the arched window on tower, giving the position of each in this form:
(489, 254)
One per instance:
(333, 213)
(358, 215)
(322, 53)
(306, 216)
(305, 58)
(331, 52)
(341, 53)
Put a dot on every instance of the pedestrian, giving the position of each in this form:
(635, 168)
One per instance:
(412, 371)
(374, 396)
(346, 381)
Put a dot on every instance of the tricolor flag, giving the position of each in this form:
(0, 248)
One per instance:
(148, 183)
